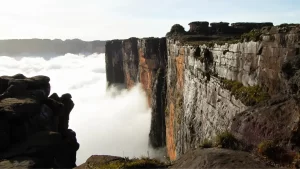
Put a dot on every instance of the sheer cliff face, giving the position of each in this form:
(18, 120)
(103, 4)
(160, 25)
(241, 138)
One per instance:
(198, 105)
(142, 61)
(212, 88)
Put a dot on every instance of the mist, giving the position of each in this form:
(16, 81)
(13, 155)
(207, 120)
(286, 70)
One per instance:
(106, 121)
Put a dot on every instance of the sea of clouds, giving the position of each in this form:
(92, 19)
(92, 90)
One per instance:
(106, 121)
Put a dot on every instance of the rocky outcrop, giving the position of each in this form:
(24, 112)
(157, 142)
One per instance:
(34, 127)
(218, 158)
(276, 120)
(105, 161)
(142, 61)
(224, 83)
(47, 47)
(199, 104)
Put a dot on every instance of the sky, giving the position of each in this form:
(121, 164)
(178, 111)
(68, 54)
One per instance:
(119, 19)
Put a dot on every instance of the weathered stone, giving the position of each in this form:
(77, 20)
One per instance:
(276, 120)
(64, 118)
(198, 105)
(19, 162)
(218, 158)
(16, 108)
(30, 121)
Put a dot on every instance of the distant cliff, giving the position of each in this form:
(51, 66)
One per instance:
(242, 79)
(42, 47)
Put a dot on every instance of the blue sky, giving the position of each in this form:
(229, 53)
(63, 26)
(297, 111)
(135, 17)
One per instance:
(111, 19)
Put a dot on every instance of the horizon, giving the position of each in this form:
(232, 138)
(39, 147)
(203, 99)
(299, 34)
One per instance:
(101, 20)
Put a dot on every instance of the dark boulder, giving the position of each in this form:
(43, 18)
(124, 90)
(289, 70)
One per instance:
(34, 127)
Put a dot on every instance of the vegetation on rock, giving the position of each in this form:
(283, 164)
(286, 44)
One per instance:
(176, 30)
(126, 163)
(253, 35)
(227, 140)
(248, 95)
(206, 144)
(276, 153)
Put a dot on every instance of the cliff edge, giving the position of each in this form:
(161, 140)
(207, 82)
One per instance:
(34, 127)
(240, 81)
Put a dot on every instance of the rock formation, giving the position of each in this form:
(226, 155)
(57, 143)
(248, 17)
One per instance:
(47, 47)
(218, 158)
(239, 80)
(142, 60)
(34, 127)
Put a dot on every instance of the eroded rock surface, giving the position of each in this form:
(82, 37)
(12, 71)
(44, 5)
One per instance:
(276, 120)
(218, 158)
(213, 84)
(34, 127)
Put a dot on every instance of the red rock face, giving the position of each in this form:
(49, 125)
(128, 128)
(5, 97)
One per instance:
(146, 72)
(175, 102)
(152, 56)
(171, 147)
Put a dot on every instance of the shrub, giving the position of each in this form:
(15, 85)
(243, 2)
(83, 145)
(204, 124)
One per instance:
(272, 151)
(247, 95)
(143, 162)
(253, 35)
(206, 144)
(176, 30)
(227, 140)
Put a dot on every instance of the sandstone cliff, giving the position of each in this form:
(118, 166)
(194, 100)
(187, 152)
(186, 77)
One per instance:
(34, 127)
(142, 60)
(215, 80)
(47, 47)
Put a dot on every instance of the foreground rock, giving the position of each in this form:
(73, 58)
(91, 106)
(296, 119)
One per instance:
(276, 120)
(114, 162)
(34, 127)
(218, 158)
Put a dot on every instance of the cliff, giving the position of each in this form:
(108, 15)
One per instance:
(241, 79)
(34, 127)
(142, 60)
(47, 47)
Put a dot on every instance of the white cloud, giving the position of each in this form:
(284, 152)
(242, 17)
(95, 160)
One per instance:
(105, 123)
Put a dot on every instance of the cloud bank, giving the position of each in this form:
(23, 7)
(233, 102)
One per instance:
(107, 122)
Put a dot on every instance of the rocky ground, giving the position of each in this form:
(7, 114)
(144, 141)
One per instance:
(34, 127)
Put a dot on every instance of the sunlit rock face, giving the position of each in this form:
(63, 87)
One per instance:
(209, 83)
(198, 105)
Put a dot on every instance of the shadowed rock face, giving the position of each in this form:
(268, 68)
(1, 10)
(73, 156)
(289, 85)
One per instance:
(142, 61)
(34, 127)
